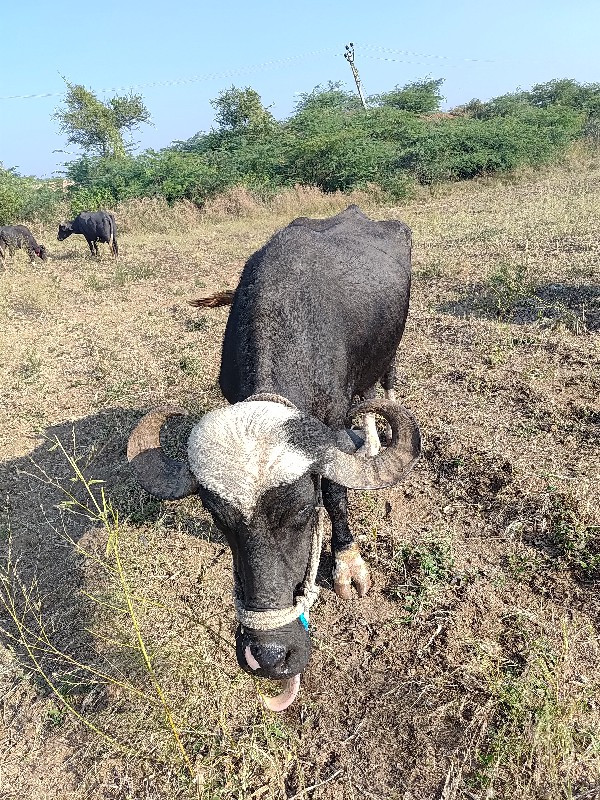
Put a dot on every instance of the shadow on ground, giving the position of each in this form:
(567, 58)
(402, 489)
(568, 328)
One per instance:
(44, 615)
(577, 307)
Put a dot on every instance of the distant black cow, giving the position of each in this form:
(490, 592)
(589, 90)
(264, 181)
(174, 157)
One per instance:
(18, 237)
(96, 226)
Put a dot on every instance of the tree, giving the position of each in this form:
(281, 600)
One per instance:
(420, 97)
(328, 98)
(241, 111)
(98, 128)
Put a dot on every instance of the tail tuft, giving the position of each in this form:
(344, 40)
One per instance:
(224, 298)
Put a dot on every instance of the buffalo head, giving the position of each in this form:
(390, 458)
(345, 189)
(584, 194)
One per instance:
(256, 467)
(65, 229)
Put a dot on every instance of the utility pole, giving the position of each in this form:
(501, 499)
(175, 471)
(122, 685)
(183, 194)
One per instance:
(349, 56)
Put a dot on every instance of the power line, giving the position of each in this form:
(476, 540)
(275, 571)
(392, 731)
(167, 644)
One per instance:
(403, 61)
(192, 79)
(423, 55)
(265, 65)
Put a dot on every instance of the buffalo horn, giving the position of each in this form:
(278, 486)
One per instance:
(155, 471)
(390, 465)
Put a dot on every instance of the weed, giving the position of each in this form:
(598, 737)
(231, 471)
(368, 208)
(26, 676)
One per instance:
(431, 271)
(191, 365)
(537, 728)
(31, 367)
(508, 285)
(95, 283)
(32, 636)
(521, 564)
(426, 567)
(199, 324)
(575, 535)
(131, 272)
(56, 714)
(117, 392)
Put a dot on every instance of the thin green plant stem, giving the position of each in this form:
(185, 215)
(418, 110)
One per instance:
(102, 511)
(142, 645)
(43, 643)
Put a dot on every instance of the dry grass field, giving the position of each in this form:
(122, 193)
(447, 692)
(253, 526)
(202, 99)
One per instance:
(470, 671)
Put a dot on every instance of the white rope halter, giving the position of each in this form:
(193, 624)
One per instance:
(309, 591)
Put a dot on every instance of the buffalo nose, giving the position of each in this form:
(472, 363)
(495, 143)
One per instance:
(269, 656)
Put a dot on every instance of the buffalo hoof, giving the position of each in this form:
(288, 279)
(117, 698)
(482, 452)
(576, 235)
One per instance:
(350, 569)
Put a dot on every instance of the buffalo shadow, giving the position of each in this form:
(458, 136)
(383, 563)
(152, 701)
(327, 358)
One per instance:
(577, 307)
(42, 541)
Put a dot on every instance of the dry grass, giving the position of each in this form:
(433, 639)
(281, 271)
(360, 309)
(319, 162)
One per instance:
(239, 201)
(471, 671)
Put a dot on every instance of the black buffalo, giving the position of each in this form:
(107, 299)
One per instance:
(96, 226)
(315, 322)
(18, 237)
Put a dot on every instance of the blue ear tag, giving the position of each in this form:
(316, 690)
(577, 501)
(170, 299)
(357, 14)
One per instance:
(304, 621)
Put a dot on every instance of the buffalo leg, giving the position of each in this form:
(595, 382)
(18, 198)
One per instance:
(389, 383)
(389, 392)
(372, 444)
(90, 245)
(348, 567)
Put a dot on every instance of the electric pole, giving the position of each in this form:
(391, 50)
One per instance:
(349, 56)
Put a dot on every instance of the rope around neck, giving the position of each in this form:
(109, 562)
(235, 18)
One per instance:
(309, 591)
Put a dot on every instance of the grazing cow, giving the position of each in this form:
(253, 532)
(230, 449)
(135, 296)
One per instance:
(315, 321)
(18, 237)
(96, 226)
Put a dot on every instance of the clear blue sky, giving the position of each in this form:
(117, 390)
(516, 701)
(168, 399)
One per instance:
(481, 49)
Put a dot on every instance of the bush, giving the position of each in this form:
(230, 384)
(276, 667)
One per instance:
(331, 143)
(420, 97)
(23, 199)
(459, 148)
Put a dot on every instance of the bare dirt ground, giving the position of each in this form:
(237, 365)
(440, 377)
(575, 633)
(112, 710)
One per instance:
(471, 669)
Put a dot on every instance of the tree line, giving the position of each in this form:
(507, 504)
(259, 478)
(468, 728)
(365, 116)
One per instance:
(402, 139)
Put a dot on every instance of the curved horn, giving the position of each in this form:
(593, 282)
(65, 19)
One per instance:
(357, 471)
(158, 474)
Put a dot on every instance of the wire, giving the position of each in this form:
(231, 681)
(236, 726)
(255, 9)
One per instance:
(403, 61)
(265, 65)
(192, 79)
(422, 55)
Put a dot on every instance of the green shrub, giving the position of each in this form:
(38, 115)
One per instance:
(23, 199)
(329, 142)
(10, 197)
(419, 97)
(462, 147)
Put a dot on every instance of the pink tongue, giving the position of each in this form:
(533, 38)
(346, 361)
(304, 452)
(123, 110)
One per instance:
(290, 687)
(286, 698)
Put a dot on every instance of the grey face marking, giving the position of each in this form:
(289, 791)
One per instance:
(240, 451)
